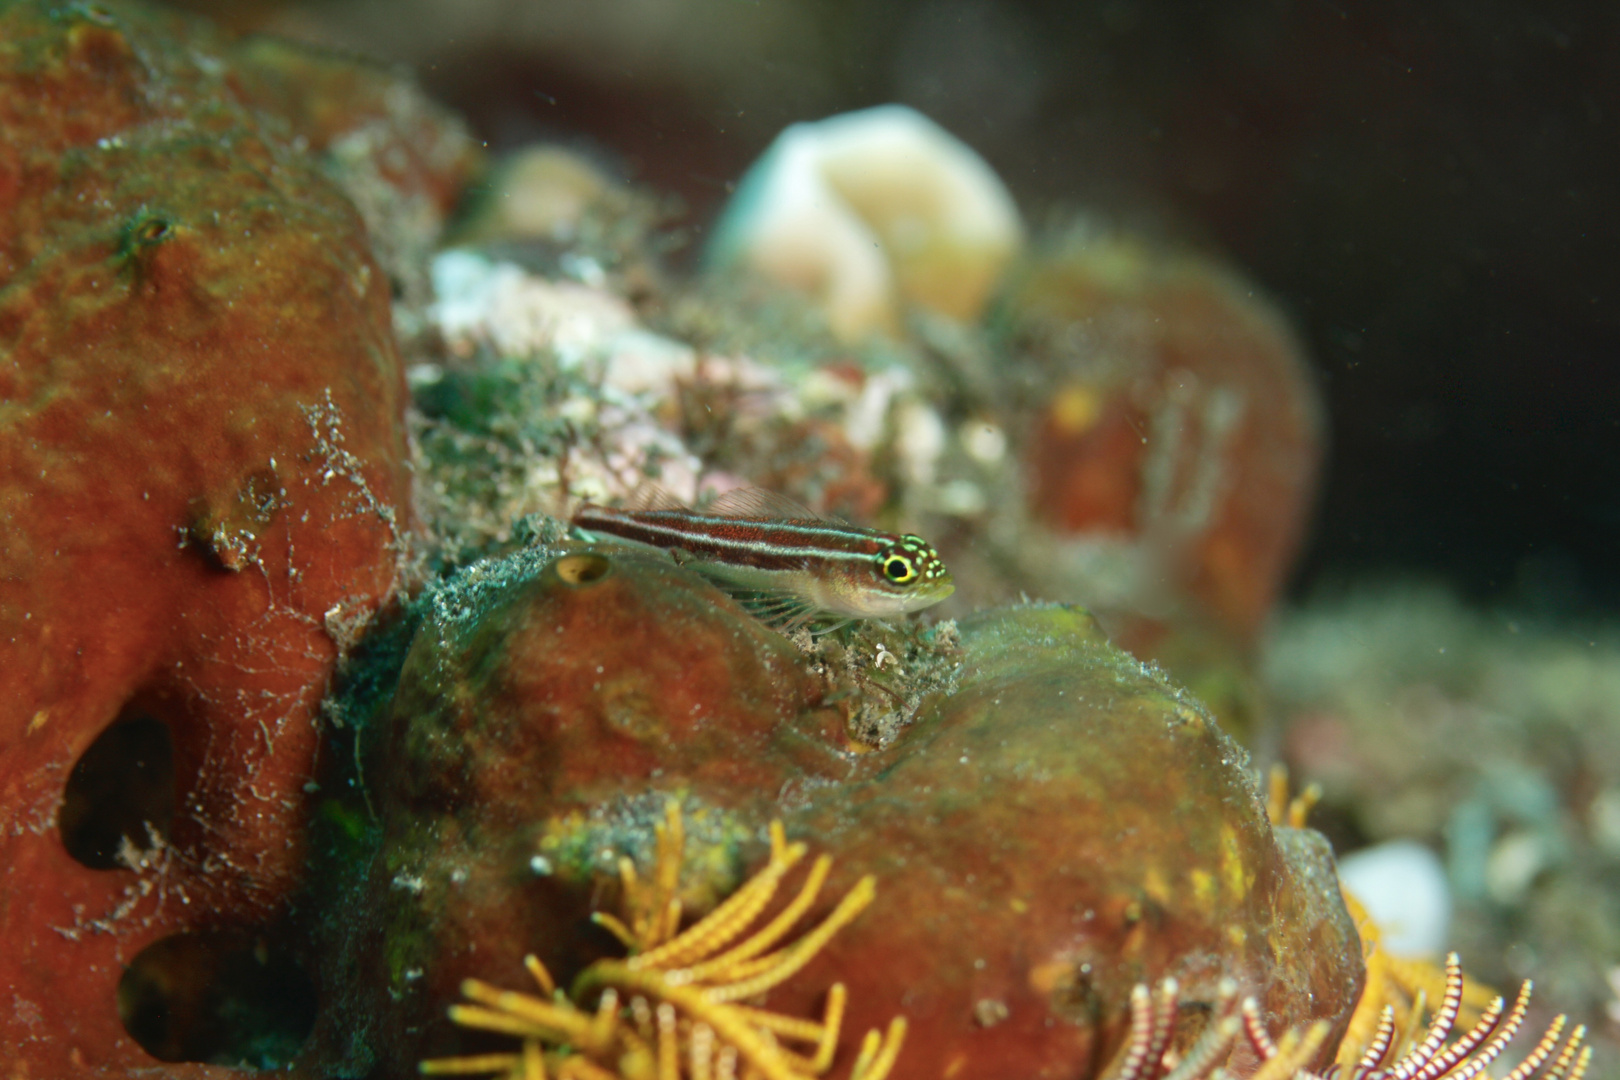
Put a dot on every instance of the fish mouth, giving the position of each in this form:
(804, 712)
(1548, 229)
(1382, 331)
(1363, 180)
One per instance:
(936, 592)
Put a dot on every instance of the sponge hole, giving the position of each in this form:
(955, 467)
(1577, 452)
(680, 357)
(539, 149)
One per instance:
(586, 568)
(221, 998)
(120, 796)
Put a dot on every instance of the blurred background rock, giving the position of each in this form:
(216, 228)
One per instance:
(1427, 192)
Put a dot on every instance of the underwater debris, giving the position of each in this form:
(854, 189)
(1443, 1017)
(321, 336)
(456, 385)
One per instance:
(869, 212)
(882, 674)
(681, 1017)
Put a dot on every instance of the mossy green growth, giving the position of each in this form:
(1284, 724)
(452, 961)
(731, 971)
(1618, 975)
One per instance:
(581, 848)
(1014, 638)
(493, 439)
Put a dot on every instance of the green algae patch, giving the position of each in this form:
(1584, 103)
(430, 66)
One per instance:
(1015, 637)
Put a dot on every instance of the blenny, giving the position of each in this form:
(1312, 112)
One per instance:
(781, 561)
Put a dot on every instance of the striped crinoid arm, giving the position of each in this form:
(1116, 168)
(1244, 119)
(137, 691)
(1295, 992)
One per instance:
(1146, 1054)
(1285, 1058)
(1439, 1056)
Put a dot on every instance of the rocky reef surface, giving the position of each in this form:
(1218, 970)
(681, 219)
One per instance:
(313, 708)
(1062, 825)
(204, 485)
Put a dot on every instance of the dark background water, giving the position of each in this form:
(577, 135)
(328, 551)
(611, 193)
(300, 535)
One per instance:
(1430, 191)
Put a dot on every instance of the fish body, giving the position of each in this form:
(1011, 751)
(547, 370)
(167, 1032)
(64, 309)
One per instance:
(782, 562)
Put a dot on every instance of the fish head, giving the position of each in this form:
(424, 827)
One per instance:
(905, 574)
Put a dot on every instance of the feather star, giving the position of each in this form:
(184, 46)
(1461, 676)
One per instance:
(670, 1010)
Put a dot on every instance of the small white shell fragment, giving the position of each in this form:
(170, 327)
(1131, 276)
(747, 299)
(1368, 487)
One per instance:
(500, 305)
(984, 441)
(1403, 886)
(870, 211)
(920, 440)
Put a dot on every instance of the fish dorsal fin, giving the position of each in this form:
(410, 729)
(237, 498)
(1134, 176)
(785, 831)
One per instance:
(651, 495)
(756, 503)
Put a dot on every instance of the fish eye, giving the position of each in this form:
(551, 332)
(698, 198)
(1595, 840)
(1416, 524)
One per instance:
(898, 569)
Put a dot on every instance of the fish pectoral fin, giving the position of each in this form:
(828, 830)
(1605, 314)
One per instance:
(789, 621)
(773, 606)
(777, 609)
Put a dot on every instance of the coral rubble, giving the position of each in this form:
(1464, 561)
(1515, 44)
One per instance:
(203, 484)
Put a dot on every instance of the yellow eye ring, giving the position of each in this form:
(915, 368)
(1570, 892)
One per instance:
(898, 569)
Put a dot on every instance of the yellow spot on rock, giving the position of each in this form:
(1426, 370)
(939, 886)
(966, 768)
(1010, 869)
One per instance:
(1203, 887)
(1019, 906)
(1234, 875)
(1156, 887)
(1076, 409)
(1051, 976)
(38, 721)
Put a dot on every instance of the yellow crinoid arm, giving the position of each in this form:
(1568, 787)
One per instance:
(651, 906)
(472, 1065)
(516, 1013)
(1294, 1050)
(757, 976)
(722, 968)
(879, 1053)
(731, 917)
(1415, 975)
(1284, 809)
(647, 1017)
(660, 916)
(729, 1024)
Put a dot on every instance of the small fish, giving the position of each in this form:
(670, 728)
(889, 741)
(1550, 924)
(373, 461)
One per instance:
(781, 561)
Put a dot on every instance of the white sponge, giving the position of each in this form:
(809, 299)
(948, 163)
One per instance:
(1403, 887)
(871, 211)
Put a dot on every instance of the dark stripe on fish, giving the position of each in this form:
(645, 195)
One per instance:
(764, 545)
